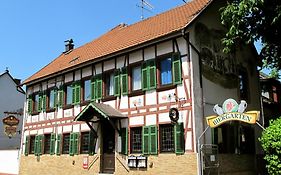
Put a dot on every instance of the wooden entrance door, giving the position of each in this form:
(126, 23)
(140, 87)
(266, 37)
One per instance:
(108, 148)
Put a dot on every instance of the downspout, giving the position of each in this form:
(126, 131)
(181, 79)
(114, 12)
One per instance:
(185, 35)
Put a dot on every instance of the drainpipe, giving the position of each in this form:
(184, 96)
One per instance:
(185, 35)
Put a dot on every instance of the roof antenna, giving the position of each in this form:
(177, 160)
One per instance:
(144, 5)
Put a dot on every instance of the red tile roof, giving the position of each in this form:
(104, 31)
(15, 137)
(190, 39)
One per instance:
(124, 37)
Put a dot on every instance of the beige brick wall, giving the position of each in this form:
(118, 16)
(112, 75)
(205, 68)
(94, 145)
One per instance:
(63, 165)
(57, 165)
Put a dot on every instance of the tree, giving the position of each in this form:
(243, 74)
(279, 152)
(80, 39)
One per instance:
(251, 20)
(271, 144)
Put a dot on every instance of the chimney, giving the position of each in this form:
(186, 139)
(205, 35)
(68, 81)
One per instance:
(68, 45)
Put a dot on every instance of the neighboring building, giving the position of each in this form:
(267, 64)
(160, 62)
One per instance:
(11, 106)
(271, 98)
(142, 89)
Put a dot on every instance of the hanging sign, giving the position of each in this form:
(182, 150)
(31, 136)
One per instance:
(10, 125)
(230, 111)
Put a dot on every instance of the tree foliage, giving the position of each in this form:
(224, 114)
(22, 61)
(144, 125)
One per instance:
(271, 144)
(251, 20)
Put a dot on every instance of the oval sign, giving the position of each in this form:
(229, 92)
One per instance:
(230, 105)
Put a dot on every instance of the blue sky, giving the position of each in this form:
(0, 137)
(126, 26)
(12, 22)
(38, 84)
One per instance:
(32, 32)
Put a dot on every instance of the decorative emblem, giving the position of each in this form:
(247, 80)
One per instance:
(10, 125)
(174, 115)
(230, 105)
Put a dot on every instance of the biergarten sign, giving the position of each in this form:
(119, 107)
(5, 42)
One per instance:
(232, 111)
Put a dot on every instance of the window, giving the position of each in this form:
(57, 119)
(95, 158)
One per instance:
(52, 98)
(166, 71)
(31, 144)
(148, 75)
(136, 78)
(109, 87)
(69, 95)
(76, 93)
(47, 143)
(87, 90)
(36, 103)
(136, 140)
(96, 87)
(167, 138)
(66, 143)
(169, 67)
(85, 137)
(243, 84)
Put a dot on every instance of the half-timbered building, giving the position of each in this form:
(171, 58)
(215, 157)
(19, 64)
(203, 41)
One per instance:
(133, 100)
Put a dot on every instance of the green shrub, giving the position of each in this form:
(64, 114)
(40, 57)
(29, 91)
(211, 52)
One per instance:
(271, 144)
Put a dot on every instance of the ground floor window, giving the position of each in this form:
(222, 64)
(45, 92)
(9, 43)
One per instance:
(136, 140)
(47, 143)
(85, 137)
(167, 138)
(65, 144)
(32, 145)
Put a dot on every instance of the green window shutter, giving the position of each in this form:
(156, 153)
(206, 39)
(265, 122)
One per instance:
(60, 98)
(58, 151)
(93, 89)
(153, 140)
(76, 143)
(56, 98)
(39, 106)
(124, 81)
(71, 145)
(78, 93)
(144, 77)
(26, 150)
(36, 145)
(40, 144)
(44, 102)
(145, 140)
(98, 89)
(152, 74)
(179, 138)
(92, 143)
(176, 68)
(73, 93)
(117, 83)
(124, 140)
(52, 144)
(29, 105)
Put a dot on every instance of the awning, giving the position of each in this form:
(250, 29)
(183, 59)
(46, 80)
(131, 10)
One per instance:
(93, 112)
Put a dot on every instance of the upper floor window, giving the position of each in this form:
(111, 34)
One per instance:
(52, 99)
(87, 90)
(36, 103)
(136, 78)
(69, 95)
(243, 84)
(108, 83)
(166, 71)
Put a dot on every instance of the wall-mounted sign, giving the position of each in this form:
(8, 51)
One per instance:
(85, 162)
(230, 111)
(10, 125)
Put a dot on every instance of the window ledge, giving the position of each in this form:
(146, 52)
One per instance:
(68, 106)
(108, 98)
(166, 87)
(136, 93)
